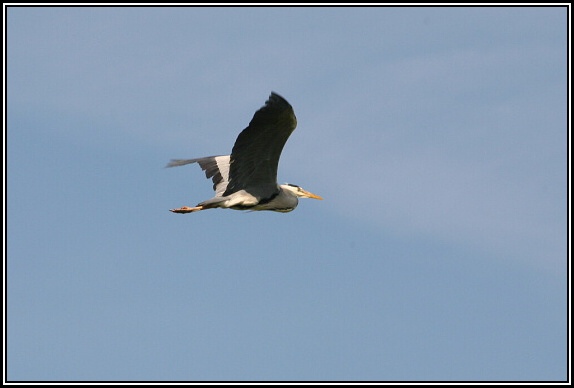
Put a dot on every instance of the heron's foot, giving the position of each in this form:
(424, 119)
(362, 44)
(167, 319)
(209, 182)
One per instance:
(186, 209)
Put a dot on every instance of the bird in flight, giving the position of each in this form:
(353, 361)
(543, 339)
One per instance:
(247, 179)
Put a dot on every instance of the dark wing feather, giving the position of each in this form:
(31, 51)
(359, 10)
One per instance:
(255, 155)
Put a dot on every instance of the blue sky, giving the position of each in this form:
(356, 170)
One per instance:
(437, 137)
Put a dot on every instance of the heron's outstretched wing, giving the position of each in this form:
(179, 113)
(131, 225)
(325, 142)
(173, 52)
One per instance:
(255, 155)
(215, 167)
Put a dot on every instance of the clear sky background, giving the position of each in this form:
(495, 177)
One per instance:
(437, 137)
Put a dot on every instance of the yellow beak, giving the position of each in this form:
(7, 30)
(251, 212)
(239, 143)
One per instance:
(311, 195)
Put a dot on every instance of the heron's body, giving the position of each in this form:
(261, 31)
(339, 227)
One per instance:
(247, 179)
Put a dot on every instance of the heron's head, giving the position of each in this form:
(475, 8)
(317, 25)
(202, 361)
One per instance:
(299, 191)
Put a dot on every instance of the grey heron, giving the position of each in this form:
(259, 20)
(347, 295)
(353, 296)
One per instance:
(247, 179)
